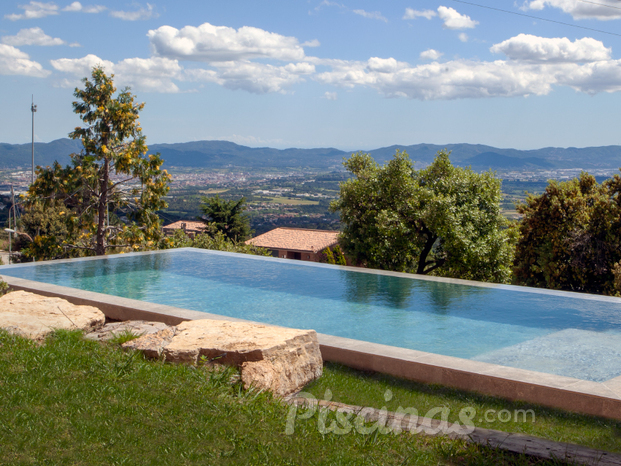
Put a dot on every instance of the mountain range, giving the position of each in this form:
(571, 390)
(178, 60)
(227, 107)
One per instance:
(223, 154)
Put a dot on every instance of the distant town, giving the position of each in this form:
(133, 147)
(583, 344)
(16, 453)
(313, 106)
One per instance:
(293, 198)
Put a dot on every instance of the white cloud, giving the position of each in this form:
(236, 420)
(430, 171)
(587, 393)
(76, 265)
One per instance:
(34, 10)
(75, 6)
(328, 4)
(371, 15)
(82, 67)
(454, 20)
(32, 36)
(330, 96)
(257, 78)
(143, 74)
(452, 80)
(141, 14)
(78, 7)
(535, 66)
(384, 65)
(15, 62)
(430, 54)
(578, 9)
(311, 43)
(531, 48)
(592, 78)
(463, 37)
(413, 14)
(220, 43)
(149, 74)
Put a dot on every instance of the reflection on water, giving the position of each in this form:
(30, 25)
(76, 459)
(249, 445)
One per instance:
(168, 276)
(377, 289)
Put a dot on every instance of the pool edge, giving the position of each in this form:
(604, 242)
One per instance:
(575, 395)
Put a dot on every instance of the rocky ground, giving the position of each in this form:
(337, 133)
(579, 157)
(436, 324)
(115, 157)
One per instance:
(276, 359)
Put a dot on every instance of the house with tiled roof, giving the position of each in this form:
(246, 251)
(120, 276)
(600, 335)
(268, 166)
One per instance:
(297, 243)
(191, 228)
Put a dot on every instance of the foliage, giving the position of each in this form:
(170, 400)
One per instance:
(227, 217)
(4, 287)
(443, 219)
(215, 240)
(339, 257)
(329, 256)
(42, 230)
(570, 237)
(334, 256)
(113, 175)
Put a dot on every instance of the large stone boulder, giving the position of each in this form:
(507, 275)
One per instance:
(34, 316)
(134, 327)
(281, 360)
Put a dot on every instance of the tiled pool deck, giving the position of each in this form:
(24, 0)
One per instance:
(594, 398)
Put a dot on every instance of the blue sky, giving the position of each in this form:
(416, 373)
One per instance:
(352, 74)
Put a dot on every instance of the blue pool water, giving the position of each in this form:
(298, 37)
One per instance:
(556, 333)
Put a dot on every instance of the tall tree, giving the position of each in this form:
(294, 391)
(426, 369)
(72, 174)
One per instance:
(227, 217)
(571, 237)
(442, 220)
(112, 177)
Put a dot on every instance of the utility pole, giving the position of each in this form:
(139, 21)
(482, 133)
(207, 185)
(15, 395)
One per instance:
(33, 109)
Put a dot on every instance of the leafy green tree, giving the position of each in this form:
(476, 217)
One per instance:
(570, 237)
(227, 217)
(443, 220)
(112, 175)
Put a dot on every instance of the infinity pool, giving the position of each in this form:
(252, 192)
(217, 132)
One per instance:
(553, 332)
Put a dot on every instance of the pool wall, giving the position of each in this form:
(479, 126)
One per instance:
(598, 399)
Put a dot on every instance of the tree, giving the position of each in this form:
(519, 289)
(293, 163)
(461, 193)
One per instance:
(113, 178)
(227, 217)
(570, 237)
(42, 229)
(442, 220)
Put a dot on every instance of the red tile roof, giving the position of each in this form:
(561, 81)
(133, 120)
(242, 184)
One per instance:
(296, 239)
(189, 225)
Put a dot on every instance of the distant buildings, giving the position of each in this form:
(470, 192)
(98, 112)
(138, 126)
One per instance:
(297, 243)
(190, 228)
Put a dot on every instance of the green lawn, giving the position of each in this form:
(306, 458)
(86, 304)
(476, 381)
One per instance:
(371, 389)
(78, 402)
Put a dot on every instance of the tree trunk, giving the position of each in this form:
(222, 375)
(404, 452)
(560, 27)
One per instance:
(422, 260)
(100, 247)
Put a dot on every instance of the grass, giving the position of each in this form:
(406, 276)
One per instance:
(370, 389)
(213, 191)
(78, 402)
(290, 201)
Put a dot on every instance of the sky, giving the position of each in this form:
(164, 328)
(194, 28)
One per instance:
(352, 74)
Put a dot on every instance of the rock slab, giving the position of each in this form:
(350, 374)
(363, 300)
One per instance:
(281, 360)
(35, 316)
(135, 327)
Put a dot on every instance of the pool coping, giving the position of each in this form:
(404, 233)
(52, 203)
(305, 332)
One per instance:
(576, 395)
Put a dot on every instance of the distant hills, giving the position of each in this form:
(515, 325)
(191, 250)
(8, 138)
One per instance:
(222, 154)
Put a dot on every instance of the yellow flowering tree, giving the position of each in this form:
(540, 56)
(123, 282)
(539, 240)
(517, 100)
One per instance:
(112, 190)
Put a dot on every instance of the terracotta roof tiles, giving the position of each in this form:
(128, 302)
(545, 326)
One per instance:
(189, 225)
(298, 239)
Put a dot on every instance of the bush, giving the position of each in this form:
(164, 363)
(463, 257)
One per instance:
(4, 288)
(216, 241)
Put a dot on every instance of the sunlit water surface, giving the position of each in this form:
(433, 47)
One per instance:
(563, 335)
